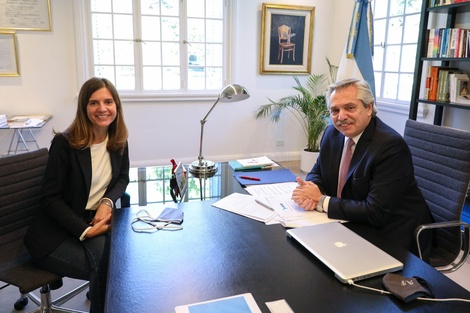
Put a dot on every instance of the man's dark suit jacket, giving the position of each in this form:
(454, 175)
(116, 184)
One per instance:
(380, 190)
(65, 189)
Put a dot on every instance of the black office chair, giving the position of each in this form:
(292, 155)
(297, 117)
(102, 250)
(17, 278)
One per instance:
(20, 185)
(441, 158)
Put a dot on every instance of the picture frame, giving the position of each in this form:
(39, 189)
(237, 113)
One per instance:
(26, 15)
(8, 54)
(286, 39)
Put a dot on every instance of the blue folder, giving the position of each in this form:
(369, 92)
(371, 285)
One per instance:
(266, 177)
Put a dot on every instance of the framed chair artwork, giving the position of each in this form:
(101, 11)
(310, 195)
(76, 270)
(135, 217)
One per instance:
(286, 39)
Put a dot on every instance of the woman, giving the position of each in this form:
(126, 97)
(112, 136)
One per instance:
(87, 171)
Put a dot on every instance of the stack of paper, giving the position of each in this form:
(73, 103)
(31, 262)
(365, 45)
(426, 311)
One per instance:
(23, 121)
(289, 214)
(19, 122)
(245, 205)
(272, 204)
(3, 121)
(252, 164)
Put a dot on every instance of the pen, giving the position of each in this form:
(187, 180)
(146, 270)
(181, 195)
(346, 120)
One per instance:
(264, 204)
(250, 178)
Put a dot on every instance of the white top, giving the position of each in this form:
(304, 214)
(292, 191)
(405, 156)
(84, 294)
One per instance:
(101, 173)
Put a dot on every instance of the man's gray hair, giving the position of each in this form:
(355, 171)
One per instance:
(364, 92)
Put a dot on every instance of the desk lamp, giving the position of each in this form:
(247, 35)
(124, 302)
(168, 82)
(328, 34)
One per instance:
(203, 168)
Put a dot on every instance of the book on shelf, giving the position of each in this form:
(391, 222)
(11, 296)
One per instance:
(454, 34)
(443, 92)
(466, 53)
(437, 42)
(436, 3)
(448, 43)
(434, 81)
(463, 44)
(458, 85)
(431, 45)
(444, 42)
(428, 83)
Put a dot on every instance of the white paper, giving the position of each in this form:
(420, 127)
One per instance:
(245, 205)
(253, 162)
(290, 215)
(279, 306)
(272, 190)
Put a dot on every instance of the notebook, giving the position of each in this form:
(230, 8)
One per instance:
(346, 253)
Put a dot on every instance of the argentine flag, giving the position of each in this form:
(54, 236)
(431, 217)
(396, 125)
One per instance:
(357, 57)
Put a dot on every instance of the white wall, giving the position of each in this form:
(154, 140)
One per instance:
(161, 131)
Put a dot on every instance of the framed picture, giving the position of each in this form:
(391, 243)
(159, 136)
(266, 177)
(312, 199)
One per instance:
(26, 15)
(8, 55)
(286, 39)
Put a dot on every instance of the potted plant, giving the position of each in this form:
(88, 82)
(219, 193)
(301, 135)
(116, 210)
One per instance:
(309, 108)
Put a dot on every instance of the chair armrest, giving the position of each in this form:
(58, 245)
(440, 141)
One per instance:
(440, 225)
(465, 244)
(124, 201)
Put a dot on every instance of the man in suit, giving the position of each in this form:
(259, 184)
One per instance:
(379, 189)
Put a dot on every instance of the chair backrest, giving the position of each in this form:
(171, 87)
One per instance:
(441, 158)
(283, 32)
(20, 190)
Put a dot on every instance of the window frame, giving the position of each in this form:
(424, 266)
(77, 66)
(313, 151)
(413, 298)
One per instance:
(85, 70)
(391, 105)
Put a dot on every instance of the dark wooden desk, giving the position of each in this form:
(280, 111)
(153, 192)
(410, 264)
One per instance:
(220, 254)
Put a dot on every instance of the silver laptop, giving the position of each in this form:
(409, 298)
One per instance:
(347, 254)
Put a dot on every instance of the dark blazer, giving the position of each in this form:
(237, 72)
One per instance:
(65, 189)
(380, 190)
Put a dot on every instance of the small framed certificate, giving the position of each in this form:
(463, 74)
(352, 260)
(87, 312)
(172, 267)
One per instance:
(26, 15)
(8, 54)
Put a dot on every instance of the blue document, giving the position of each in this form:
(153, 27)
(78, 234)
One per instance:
(235, 305)
(265, 177)
(244, 303)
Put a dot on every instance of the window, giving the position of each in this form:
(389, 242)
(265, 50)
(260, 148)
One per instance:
(156, 47)
(396, 25)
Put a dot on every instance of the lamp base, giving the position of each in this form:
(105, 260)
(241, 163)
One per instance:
(203, 169)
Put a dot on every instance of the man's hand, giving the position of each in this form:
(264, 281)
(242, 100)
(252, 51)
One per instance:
(306, 195)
